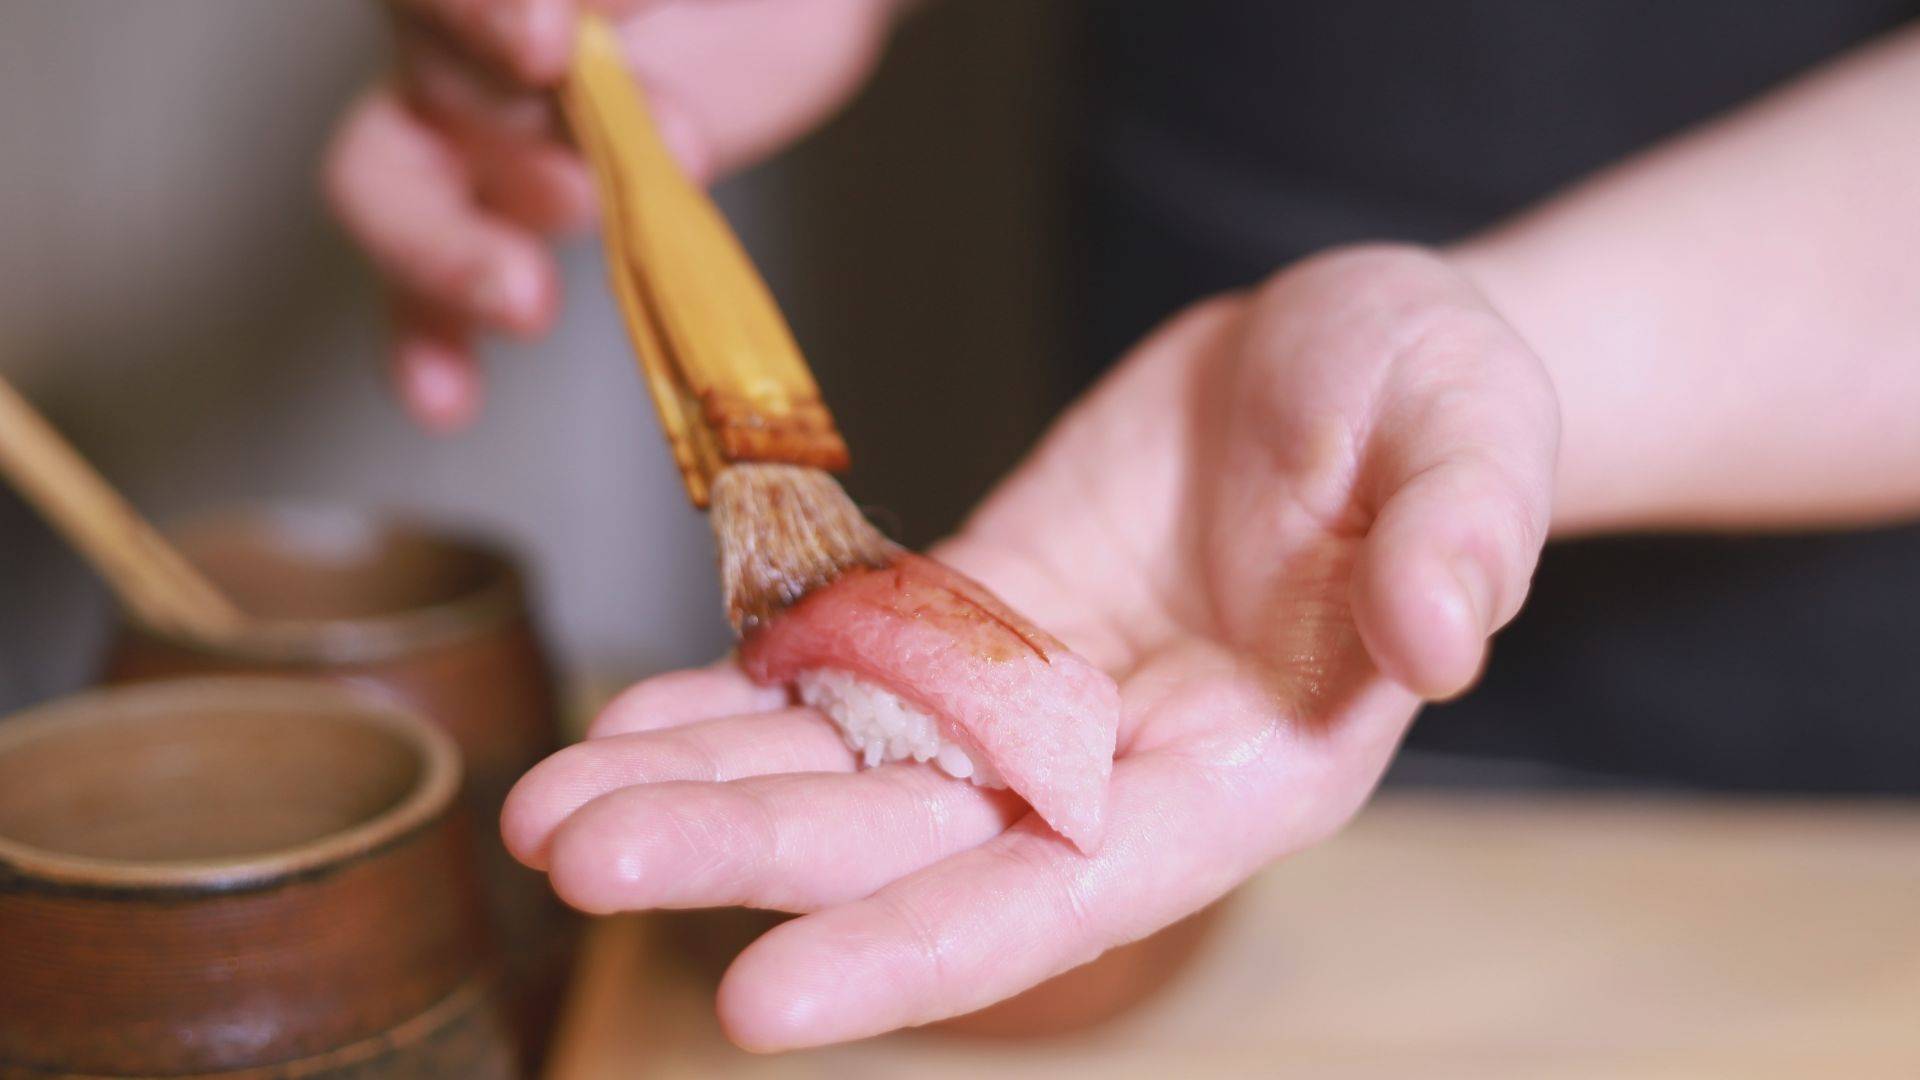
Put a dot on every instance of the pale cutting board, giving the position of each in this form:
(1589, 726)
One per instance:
(1447, 937)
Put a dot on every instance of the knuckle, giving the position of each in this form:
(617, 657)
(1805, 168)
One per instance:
(919, 929)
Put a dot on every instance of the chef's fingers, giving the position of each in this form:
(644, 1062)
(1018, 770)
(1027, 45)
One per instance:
(529, 41)
(542, 185)
(726, 83)
(406, 195)
(682, 697)
(711, 751)
(729, 83)
(434, 370)
(992, 921)
(1445, 565)
(792, 842)
(1468, 463)
(509, 135)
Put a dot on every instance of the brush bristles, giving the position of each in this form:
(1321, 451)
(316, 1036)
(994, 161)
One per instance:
(785, 530)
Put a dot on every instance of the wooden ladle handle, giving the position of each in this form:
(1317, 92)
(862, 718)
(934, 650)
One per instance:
(147, 573)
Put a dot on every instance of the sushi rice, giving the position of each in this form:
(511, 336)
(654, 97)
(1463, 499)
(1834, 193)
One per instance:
(882, 727)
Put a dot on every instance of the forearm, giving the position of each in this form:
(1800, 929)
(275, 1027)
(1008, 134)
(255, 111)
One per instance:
(1733, 319)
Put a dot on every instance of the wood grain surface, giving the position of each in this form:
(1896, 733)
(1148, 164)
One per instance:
(1444, 936)
(145, 572)
(727, 377)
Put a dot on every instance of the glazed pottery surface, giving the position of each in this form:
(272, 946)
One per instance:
(436, 620)
(211, 875)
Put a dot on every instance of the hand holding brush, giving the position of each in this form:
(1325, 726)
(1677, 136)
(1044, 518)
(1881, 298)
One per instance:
(452, 170)
(1276, 524)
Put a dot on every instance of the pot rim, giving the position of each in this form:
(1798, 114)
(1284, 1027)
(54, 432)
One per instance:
(499, 596)
(427, 801)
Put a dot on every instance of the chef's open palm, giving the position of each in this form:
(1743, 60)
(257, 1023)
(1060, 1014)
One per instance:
(1288, 516)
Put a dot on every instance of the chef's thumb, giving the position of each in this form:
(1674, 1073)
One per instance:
(1446, 562)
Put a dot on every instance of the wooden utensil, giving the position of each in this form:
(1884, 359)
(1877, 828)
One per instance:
(145, 572)
(753, 439)
(728, 380)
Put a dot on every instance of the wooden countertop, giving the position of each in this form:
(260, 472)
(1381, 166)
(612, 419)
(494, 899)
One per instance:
(1444, 936)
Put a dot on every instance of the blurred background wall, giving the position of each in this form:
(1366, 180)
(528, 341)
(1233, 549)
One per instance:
(172, 295)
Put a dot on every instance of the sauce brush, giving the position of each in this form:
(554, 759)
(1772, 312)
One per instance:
(741, 411)
(907, 657)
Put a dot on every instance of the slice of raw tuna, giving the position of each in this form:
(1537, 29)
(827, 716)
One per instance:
(1015, 703)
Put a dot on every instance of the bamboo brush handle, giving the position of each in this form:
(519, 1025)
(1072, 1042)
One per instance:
(727, 377)
(149, 576)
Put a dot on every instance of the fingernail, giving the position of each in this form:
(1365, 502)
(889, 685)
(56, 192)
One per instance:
(514, 32)
(507, 295)
(1475, 589)
(543, 37)
(438, 394)
(684, 142)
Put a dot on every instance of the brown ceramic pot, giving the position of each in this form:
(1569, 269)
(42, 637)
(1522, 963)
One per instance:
(261, 876)
(439, 622)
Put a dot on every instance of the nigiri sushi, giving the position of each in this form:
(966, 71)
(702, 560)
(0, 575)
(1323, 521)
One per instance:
(915, 661)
